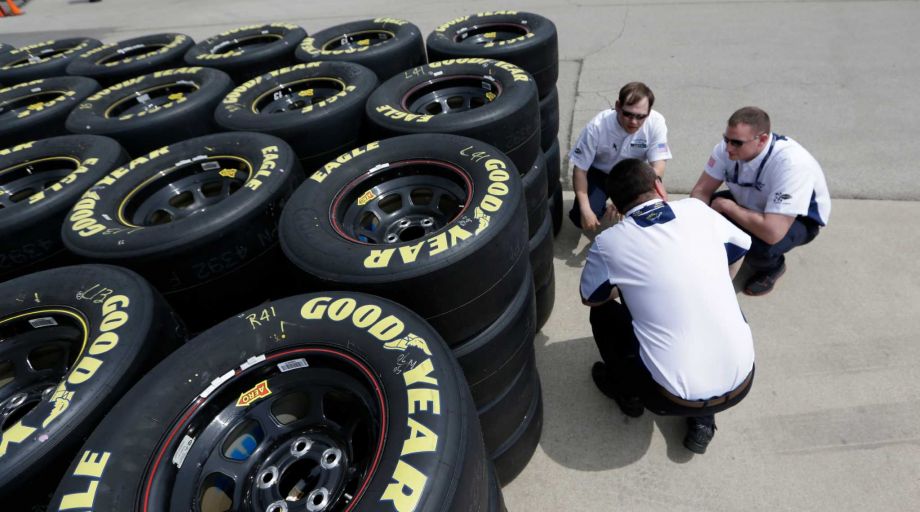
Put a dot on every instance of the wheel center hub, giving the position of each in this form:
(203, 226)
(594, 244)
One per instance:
(305, 472)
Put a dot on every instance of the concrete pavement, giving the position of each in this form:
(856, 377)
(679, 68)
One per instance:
(833, 419)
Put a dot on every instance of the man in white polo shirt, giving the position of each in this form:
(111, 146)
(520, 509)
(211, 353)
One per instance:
(677, 343)
(630, 130)
(776, 192)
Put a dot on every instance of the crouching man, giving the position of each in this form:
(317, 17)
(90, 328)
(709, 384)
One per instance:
(663, 310)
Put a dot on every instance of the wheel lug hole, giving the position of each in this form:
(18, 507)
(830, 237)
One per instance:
(392, 238)
(278, 506)
(404, 223)
(428, 222)
(331, 458)
(301, 446)
(318, 500)
(18, 400)
(267, 478)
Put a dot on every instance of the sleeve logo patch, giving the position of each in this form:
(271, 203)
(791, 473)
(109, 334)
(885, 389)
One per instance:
(711, 163)
(259, 392)
(780, 197)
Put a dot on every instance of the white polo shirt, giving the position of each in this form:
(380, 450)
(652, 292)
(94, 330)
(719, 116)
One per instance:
(603, 142)
(670, 263)
(785, 179)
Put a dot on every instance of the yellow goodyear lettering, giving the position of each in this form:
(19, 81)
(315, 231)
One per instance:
(391, 21)
(394, 113)
(269, 154)
(495, 13)
(91, 465)
(321, 174)
(117, 87)
(380, 258)
(20, 147)
(327, 101)
(177, 71)
(81, 218)
(451, 23)
(407, 482)
(365, 317)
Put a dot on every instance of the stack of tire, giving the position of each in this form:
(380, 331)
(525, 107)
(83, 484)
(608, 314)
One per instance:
(530, 42)
(438, 222)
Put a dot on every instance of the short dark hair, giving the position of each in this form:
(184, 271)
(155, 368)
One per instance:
(754, 117)
(628, 181)
(633, 92)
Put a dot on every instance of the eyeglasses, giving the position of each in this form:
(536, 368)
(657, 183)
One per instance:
(738, 143)
(633, 115)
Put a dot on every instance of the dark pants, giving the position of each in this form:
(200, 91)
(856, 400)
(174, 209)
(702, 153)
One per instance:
(597, 196)
(764, 257)
(611, 324)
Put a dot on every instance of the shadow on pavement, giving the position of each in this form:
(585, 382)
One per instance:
(582, 428)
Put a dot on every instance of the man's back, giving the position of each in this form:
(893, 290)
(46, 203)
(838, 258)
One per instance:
(669, 261)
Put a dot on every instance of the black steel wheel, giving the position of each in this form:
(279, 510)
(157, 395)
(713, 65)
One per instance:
(312, 448)
(488, 100)
(318, 108)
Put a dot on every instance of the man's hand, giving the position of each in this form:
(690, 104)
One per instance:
(723, 205)
(589, 221)
(611, 215)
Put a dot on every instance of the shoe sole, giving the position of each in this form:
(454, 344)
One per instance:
(760, 294)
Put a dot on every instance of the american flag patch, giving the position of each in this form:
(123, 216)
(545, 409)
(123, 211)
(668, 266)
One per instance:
(712, 162)
(662, 147)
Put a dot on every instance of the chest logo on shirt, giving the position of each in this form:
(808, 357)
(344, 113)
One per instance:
(780, 197)
(639, 143)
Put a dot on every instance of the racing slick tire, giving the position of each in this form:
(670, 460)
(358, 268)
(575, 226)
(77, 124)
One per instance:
(37, 109)
(39, 182)
(524, 39)
(483, 99)
(435, 222)
(500, 418)
(555, 208)
(549, 119)
(42, 60)
(249, 51)
(491, 359)
(74, 340)
(318, 108)
(319, 382)
(386, 46)
(553, 168)
(149, 111)
(6, 48)
(197, 218)
(534, 181)
(541, 261)
(112, 63)
(515, 452)
(546, 299)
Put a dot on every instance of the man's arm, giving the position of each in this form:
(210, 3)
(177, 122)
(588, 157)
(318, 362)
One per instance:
(705, 186)
(589, 220)
(769, 227)
(659, 167)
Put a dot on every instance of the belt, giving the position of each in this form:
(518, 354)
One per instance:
(718, 400)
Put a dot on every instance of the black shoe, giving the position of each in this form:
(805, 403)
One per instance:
(698, 436)
(630, 405)
(762, 282)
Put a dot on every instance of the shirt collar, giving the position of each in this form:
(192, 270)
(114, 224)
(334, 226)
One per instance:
(760, 156)
(643, 205)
